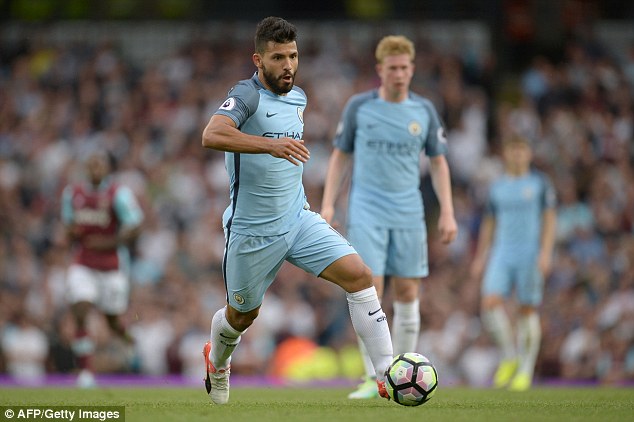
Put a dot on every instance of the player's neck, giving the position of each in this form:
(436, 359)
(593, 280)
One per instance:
(96, 185)
(392, 96)
(517, 171)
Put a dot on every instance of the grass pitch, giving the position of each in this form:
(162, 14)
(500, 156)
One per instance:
(331, 405)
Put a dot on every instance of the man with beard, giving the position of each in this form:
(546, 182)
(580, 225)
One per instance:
(268, 221)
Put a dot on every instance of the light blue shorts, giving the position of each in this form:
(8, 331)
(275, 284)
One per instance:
(395, 252)
(251, 262)
(501, 276)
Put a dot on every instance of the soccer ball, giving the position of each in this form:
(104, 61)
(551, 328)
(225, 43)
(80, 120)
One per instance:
(411, 379)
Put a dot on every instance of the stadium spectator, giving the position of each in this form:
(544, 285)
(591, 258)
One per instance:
(25, 349)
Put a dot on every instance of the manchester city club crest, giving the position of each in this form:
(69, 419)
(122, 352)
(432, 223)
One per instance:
(414, 128)
(238, 298)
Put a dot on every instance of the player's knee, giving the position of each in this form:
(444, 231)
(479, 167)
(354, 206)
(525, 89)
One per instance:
(491, 302)
(350, 273)
(359, 278)
(240, 321)
(527, 310)
(406, 290)
(407, 296)
(80, 311)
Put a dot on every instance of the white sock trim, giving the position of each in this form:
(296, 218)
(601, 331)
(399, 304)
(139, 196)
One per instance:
(496, 321)
(224, 340)
(407, 309)
(529, 336)
(370, 324)
(406, 326)
(362, 296)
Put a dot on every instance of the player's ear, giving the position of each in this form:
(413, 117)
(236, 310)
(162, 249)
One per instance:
(257, 60)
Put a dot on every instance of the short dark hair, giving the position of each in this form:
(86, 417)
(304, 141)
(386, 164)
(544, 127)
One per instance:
(274, 29)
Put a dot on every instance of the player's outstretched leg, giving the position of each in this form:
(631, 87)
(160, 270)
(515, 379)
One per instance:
(368, 319)
(216, 381)
(371, 326)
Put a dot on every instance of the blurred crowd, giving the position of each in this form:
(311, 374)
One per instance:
(60, 102)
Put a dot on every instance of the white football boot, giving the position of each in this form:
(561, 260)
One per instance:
(217, 380)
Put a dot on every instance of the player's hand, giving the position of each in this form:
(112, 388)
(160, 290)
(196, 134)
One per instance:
(477, 267)
(75, 231)
(328, 214)
(447, 228)
(289, 149)
(544, 262)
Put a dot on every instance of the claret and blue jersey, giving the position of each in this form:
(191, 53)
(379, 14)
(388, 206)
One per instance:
(102, 210)
(387, 140)
(266, 192)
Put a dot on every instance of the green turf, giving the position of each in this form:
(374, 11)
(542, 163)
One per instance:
(330, 404)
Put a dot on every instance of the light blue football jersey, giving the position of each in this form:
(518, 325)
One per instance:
(387, 140)
(266, 192)
(517, 204)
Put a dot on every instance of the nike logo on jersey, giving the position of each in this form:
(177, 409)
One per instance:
(372, 313)
(270, 114)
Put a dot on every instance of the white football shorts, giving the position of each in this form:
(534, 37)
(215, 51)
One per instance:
(108, 290)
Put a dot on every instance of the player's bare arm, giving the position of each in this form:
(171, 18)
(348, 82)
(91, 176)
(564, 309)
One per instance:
(485, 239)
(222, 134)
(549, 222)
(337, 169)
(441, 181)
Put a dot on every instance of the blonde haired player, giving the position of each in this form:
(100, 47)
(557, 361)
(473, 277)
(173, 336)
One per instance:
(382, 135)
